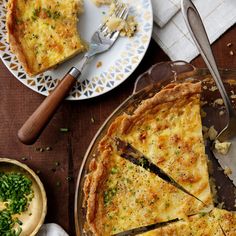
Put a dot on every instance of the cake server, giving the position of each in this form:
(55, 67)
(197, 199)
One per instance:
(101, 41)
(199, 35)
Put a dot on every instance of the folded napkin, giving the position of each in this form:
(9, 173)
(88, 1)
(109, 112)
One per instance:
(164, 10)
(51, 230)
(174, 38)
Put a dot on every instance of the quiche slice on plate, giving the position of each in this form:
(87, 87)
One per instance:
(120, 195)
(43, 33)
(217, 223)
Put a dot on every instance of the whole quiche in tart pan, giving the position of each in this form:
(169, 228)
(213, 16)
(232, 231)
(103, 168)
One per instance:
(163, 121)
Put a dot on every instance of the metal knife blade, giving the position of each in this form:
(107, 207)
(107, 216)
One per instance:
(147, 228)
(143, 229)
(133, 155)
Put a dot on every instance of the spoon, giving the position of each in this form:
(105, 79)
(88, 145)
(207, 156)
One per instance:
(199, 35)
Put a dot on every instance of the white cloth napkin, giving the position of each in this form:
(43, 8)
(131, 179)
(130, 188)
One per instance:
(174, 38)
(164, 10)
(51, 230)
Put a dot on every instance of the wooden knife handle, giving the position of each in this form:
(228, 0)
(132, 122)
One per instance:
(33, 127)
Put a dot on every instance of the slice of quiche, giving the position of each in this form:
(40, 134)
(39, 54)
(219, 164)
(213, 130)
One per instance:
(43, 33)
(217, 223)
(167, 129)
(121, 195)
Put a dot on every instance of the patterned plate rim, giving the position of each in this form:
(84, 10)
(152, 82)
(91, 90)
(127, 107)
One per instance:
(94, 86)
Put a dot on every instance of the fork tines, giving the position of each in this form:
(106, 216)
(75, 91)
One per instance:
(120, 11)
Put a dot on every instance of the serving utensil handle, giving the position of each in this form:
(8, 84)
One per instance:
(35, 124)
(199, 35)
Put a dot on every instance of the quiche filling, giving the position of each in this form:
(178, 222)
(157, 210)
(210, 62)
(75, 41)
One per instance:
(43, 33)
(128, 196)
(166, 128)
(170, 134)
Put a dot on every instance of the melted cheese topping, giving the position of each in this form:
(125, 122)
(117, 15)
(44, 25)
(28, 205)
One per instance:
(170, 135)
(45, 32)
(210, 224)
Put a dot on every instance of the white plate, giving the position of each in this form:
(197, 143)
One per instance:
(117, 64)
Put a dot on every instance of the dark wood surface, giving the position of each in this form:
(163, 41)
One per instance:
(68, 148)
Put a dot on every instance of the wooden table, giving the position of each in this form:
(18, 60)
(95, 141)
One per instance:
(58, 168)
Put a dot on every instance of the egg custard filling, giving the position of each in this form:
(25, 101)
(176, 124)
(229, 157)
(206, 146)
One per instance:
(43, 33)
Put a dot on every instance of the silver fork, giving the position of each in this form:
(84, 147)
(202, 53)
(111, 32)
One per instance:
(101, 41)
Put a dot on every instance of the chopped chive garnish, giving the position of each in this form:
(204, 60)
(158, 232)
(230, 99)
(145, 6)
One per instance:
(15, 193)
(64, 129)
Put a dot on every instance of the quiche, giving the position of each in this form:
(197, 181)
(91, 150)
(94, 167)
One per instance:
(120, 195)
(217, 223)
(43, 33)
(167, 129)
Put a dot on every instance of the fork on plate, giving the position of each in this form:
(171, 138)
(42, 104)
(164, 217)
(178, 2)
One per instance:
(101, 41)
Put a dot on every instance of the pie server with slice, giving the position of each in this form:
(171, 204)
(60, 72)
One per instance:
(133, 155)
(199, 35)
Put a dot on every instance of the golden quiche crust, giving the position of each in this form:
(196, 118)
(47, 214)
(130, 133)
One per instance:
(43, 33)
